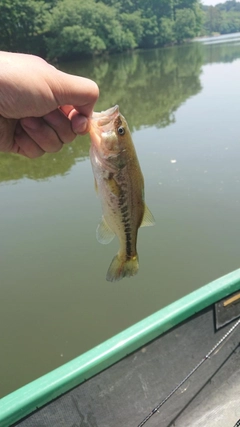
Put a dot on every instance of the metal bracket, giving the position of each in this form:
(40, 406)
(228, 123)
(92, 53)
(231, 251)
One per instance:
(227, 310)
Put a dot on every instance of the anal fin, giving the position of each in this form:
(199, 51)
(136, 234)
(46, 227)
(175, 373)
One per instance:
(104, 233)
(148, 218)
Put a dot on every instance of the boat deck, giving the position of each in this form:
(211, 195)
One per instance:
(125, 393)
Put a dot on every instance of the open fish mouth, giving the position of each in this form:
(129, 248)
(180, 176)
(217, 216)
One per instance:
(104, 120)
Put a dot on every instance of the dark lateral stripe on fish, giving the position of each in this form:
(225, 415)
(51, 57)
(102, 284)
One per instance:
(122, 180)
(125, 216)
(122, 198)
(124, 184)
(127, 230)
(128, 245)
(124, 209)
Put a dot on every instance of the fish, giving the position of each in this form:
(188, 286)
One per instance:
(119, 183)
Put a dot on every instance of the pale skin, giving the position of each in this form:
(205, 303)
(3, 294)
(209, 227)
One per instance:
(41, 108)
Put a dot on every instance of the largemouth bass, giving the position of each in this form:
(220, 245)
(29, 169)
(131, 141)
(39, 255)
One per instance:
(120, 185)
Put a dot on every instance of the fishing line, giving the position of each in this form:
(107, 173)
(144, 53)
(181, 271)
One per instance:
(154, 410)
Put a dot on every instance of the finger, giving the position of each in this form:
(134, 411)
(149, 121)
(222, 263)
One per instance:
(43, 134)
(7, 129)
(80, 124)
(61, 124)
(78, 91)
(17, 150)
(25, 145)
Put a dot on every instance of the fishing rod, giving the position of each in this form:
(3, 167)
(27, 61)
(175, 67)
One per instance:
(154, 410)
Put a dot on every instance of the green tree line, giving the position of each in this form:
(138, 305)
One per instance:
(66, 29)
(224, 18)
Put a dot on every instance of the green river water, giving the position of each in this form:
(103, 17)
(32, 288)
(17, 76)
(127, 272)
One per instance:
(183, 107)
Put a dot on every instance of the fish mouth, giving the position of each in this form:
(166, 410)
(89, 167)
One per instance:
(103, 121)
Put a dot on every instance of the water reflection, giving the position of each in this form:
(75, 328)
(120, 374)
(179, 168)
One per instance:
(148, 85)
(13, 168)
(225, 52)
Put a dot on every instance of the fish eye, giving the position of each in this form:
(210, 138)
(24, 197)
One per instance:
(121, 130)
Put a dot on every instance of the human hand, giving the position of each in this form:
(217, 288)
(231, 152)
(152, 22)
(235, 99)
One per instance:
(41, 108)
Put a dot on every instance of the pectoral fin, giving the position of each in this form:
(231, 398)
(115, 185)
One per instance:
(148, 218)
(113, 186)
(104, 233)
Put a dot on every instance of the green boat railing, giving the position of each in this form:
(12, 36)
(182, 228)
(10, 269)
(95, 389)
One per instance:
(27, 399)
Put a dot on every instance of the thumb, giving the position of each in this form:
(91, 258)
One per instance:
(80, 92)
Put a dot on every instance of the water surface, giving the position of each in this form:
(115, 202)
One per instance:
(182, 105)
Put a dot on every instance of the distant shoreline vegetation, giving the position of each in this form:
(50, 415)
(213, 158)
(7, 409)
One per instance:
(224, 18)
(70, 29)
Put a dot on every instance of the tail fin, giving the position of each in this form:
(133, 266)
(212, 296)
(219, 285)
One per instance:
(120, 267)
